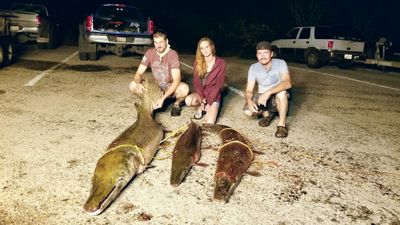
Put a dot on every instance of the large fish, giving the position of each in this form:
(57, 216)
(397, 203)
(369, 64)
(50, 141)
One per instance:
(128, 155)
(235, 157)
(186, 153)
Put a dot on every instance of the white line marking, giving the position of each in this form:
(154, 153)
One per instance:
(346, 78)
(237, 91)
(42, 74)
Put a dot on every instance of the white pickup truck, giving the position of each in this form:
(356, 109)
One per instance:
(317, 45)
(31, 22)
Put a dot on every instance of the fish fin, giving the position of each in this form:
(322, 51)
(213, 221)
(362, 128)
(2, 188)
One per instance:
(258, 152)
(253, 173)
(201, 164)
(150, 166)
(165, 144)
(165, 129)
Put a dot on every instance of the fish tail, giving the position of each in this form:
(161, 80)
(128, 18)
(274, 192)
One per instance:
(152, 93)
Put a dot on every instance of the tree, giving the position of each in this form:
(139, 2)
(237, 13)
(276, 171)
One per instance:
(307, 12)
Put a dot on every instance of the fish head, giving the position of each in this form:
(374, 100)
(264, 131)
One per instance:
(113, 171)
(223, 187)
(101, 195)
(180, 168)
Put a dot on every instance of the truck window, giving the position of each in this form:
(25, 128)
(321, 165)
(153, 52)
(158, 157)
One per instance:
(119, 12)
(305, 33)
(292, 34)
(30, 8)
(337, 32)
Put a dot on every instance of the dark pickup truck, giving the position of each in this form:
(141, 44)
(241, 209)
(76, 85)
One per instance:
(116, 28)
(32, 22)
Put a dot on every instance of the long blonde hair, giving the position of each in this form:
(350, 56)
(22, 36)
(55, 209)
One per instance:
(201, 65)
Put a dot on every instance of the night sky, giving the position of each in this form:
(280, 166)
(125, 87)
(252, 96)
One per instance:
(236, 26)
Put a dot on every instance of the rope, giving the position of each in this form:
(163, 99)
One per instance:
(134, 147)
(175, 133)
(172, 135)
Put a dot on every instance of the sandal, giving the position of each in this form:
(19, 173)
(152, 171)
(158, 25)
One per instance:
(199, 115)
(281, 132)
(176, 111)
(266, 121)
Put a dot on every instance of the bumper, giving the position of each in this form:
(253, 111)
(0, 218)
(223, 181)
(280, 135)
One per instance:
(119, 40)
(343, 55)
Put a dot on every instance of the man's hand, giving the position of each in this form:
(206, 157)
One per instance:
(252, 107)
(262, 100)
(136, 88)
(158, 104)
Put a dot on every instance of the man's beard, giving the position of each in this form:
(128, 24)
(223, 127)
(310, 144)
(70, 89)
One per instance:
(161, 49)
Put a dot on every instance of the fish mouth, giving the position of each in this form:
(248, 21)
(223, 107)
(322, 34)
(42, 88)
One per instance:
(223, 189)
(96, 209)
(177, 178)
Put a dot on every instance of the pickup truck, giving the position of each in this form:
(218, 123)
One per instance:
(6, 43)
(116, 28)
(31, 22)
(317, 45)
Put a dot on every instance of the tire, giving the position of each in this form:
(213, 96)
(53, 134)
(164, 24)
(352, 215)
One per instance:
(3, 57)
(50, 33)
(275, 51)
(92, 56)
(83, 56)
(10, 50)
(313, 59)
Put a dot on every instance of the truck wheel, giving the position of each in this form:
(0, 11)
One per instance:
(92, 56)
(83, 56)
(3, 57)
(10, 51)
(52, 41)
(313, 59)
(275, 51)
(52, 38)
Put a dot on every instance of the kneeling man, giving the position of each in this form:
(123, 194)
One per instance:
(273, 80)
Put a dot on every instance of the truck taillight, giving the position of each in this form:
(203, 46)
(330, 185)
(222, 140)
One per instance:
(89, 23)
(38, 20)
(150, 26)
(330, 45)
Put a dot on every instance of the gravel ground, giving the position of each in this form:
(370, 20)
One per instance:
(339, 165)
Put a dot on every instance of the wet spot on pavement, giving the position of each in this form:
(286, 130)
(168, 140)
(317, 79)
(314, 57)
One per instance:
(35, 64)
(86, 68)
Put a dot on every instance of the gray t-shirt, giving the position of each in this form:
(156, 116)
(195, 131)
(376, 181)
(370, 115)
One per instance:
(267, 79)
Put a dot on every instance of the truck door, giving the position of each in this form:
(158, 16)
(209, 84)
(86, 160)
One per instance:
(289, 43)
(302, 42)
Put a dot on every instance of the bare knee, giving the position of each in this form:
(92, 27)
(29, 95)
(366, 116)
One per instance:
(189, 100)
(182, 90)
(282, 96)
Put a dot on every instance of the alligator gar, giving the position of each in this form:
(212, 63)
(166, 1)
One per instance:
(128, 155)
(186, 153)
(235, 157)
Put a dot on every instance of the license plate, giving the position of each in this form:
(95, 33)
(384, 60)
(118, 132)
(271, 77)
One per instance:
(14, 28)
(348, 56)
(121, 39)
